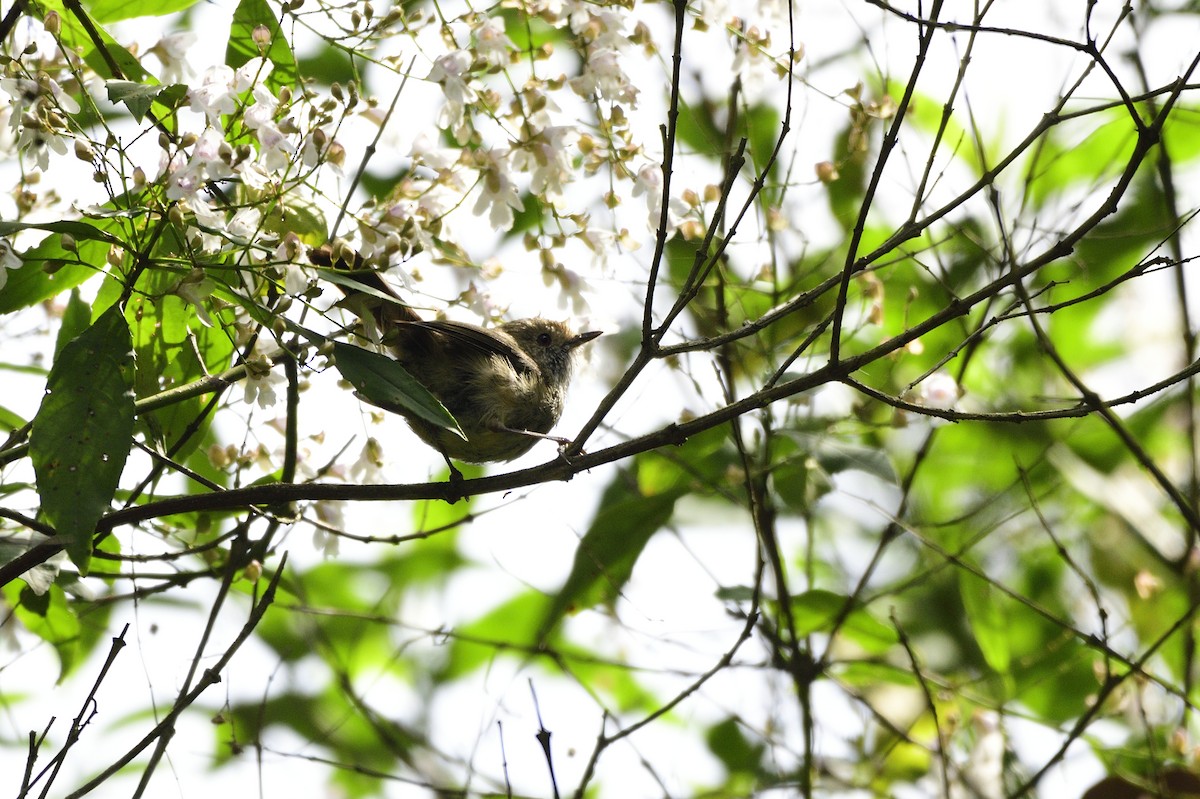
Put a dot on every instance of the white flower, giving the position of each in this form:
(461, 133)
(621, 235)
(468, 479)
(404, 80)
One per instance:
(206, 163)
(36, 109)
(214, 96)
(330, 513)
(604, 76)
(172, 52)
(252, 72)
(497, 192)
(548, 160)
(451, 72)
(274, 147)
(37, 140)
(261, 382)
(648, 181)
(254, 175)
(22, 94)
(8, 260)
(491, 42)
(209, 222)
(424, 151)
(295, 277)
(40, 577)
(246, 226)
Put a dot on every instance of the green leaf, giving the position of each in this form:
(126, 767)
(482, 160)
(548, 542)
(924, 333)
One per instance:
(1064, 158)
(608, 551)
(299, 216)
(384, 382)
(988, 621)
(138, 97)
(835, 457)
(50, 618)
(75, 319)
(847, 192)
(76, 228)
(172, 347)
(93, 42)
(815, 611)
(762, 125)
(731, 746)
(113, 10)
(10, 421)
(49, 269)
(82, 431)
(510, 625)
(249, 15)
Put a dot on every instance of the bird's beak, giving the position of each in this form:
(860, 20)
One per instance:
(583, 338)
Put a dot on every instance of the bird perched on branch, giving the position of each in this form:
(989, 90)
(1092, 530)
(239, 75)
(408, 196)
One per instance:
(505, 386)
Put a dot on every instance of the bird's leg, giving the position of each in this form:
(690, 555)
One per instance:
(455, 481)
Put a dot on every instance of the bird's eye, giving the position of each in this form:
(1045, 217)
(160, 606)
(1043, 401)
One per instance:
(544, 339)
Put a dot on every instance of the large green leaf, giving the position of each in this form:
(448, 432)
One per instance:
(83, 430)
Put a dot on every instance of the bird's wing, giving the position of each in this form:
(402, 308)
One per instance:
(484, 341)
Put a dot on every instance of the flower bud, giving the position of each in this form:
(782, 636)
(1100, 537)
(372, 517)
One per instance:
(261, 36)
(83, 150)
(826, 172)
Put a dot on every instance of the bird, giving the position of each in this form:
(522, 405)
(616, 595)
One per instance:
(505, 386)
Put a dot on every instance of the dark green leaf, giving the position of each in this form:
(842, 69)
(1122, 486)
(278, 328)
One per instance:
(76, 228)
(836, 457)
(731, 746)
(512, 624)
(75, 319)
(138, 97)
(82, 432)
(384, 382)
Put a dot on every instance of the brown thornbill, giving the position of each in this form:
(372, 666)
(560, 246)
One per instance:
(505, 385)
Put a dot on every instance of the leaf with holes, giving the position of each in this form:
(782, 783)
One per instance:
(82, 432)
